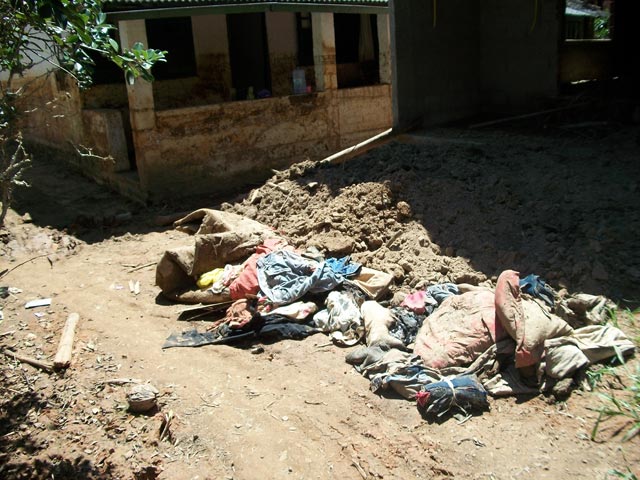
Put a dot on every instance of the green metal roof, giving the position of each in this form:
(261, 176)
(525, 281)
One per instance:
(240, 2)
(138, 9)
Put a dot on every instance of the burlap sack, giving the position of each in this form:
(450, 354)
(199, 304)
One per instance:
(220, 238)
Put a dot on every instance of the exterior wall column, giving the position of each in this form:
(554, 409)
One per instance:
(384, 42)
(324, 51)
(141, 105)
(140, 94)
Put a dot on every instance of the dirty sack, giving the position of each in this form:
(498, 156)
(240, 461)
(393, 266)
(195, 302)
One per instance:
(220, 238)
(377, 322)
(458, 331)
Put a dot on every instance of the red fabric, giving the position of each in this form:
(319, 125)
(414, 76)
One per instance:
(511, 315)
(415, 301)
(422, 398)
(247, 282)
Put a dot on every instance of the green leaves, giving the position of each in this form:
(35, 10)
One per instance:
(63, 32)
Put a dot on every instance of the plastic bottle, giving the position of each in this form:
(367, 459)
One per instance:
(299, 81)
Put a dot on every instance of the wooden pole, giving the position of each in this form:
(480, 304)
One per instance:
(46, 366)
(63, 356)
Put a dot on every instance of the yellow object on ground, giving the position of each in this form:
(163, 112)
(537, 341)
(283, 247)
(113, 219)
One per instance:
(209, 278)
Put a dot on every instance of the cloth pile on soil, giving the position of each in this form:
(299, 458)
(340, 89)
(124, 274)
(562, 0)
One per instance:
(445, 346)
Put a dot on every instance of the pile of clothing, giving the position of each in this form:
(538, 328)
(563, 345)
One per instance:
(446, 346)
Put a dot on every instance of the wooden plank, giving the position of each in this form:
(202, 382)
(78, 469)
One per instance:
(63, 356)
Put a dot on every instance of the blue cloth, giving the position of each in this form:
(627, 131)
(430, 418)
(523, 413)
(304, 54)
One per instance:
(344, 266)
(285, 276)
(536, 287)
(440, 291)
(406, 381)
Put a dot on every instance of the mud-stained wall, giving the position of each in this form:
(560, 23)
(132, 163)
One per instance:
(219, 148)
(112, 95)
(363, 112)
(104, 131)
(216, 148)
(50, 110)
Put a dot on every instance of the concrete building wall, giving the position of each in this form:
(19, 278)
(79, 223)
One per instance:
(435, 60)
(216, 148)
(283, 50)
(519, 52)
(51, 111)
(219, 148)
(460, 57)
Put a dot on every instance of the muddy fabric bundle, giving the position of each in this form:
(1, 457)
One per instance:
(246, 284)
(406, 325)
(220, 238)
(341, 319)
(564, 355)
(373, 283)
(285, 276)
(527, 322)
(377, 321)
(426, 301)
(459, 331)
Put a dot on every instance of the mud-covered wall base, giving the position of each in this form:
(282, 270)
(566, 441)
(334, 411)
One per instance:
(221, 148)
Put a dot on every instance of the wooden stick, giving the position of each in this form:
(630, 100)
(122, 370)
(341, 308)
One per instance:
(63, 356)
(526, 115)
(164, 220)
(336, 157)
(140, 267)
(9, 270)
(46, 366)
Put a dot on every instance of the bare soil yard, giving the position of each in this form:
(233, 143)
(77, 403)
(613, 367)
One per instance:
(444, 205)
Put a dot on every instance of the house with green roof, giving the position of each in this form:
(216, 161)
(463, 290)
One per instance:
(248, 86)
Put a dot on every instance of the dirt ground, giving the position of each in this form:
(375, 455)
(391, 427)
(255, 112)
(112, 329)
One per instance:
(441, 205)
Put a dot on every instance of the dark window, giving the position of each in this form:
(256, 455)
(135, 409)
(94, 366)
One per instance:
(104, 70)
(248, 54)
(305, 39)
(347, 27)
(176, 37)
(356, 49)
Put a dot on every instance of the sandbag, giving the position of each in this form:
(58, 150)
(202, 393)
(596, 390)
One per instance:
(459, 331)
(374, 283)
(377, 321)
(526, 321)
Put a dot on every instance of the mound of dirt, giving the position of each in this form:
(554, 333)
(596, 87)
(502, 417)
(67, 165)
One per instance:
(462, 206)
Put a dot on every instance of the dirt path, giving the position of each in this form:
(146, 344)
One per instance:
(561, 206)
